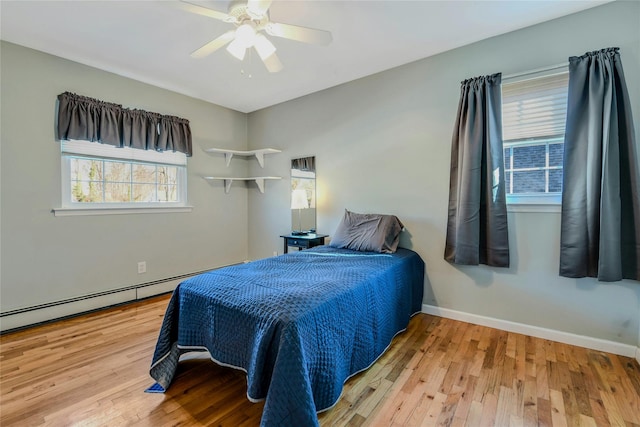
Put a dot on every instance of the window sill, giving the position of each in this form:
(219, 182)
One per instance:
(531, 202)
(531, 207)
(120, 211)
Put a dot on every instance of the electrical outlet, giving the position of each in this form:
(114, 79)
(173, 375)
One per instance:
(275, 253)
(142, 267)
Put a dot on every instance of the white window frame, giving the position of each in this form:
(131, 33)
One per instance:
(534, 202)
(97, 151)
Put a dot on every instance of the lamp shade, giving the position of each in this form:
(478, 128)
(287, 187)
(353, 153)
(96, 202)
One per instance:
(264, 47)
(246, 35)
(237, 49)
(299, 199)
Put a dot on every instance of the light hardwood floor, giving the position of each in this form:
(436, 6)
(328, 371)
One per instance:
(92, 370)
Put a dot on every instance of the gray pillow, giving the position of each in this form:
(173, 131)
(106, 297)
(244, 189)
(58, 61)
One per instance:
(368, 232)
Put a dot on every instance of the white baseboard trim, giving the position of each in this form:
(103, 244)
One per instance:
(536, 331)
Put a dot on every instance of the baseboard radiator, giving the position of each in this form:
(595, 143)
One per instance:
(13, 320)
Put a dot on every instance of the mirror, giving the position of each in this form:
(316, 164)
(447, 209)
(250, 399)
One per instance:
(303, 195)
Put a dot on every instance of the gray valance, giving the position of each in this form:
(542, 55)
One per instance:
(307, 164)
(140, 129)
(88, 119)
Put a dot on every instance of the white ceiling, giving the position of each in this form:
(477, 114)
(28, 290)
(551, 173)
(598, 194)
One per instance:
(151, 41)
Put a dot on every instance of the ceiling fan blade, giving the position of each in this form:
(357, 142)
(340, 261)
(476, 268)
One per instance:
(258, 7)
(272, 62)
(301, 34)
(214, 45)
(205, 11)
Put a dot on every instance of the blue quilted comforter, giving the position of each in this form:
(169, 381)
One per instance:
(299, 324)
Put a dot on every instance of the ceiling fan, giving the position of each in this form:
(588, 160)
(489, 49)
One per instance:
(251, 18)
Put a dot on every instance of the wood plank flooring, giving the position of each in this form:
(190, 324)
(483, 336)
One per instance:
(91, 370)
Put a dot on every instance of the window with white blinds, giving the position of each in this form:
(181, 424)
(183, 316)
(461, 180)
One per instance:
(534, 110)
(535, 107)
(103, 176)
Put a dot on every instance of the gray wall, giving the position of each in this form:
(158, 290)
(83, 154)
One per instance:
(46, 258)
(382, 144)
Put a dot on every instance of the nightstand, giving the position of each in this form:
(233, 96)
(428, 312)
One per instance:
(303, 242)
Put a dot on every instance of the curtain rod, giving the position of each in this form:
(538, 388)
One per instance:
(537, 70)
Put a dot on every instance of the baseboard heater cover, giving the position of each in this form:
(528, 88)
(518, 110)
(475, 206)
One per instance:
(13, 320)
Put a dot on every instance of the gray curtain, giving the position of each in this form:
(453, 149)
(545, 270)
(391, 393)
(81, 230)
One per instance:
(477, 231)
(174, 135)
(140, 129)
(88, 119)
(600, 234)
(304, 164)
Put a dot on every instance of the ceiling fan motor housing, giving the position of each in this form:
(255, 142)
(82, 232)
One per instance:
(240, 11)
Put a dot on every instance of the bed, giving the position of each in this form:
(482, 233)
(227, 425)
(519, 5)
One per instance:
(298, 324)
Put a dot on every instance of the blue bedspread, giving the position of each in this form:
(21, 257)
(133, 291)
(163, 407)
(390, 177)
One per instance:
(299, 324)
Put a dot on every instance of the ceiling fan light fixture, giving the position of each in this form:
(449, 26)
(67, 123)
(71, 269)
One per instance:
(237, 49)
(246, 34)
(264, 47)
(251, 18)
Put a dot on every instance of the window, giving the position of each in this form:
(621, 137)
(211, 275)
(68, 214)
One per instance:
(101, 176)
(534, 112)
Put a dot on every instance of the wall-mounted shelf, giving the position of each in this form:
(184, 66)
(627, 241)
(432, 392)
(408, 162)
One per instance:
(228, 180)
(228, 154)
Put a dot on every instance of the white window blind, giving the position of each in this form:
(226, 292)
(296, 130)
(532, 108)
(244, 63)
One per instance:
(95, 149)
(103, 177)
(534, 108)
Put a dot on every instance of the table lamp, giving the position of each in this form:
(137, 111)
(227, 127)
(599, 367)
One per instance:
(299, 201)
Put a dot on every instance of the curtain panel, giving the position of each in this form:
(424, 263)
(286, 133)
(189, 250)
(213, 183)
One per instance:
(477, 231)
(140, 129)
(174, 135)
(88, 119)
(304, 164)
(600, 226)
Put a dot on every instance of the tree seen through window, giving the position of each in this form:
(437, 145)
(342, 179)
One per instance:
(107, 181)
